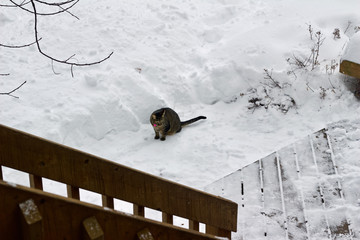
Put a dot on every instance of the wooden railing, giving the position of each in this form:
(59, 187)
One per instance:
(44, 159)
(61, 218)
(350, 68)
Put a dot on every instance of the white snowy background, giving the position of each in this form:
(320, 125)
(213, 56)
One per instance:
(197, 57)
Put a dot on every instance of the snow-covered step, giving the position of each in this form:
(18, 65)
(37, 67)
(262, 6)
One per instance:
(253, 203)
(307, 190)
(345, 143)
(293, 197)
(274, 211)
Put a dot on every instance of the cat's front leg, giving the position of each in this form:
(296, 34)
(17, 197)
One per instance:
(163, 136)
(157, 135)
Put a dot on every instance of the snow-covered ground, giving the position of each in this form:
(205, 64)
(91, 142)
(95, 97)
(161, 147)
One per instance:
(197, 57)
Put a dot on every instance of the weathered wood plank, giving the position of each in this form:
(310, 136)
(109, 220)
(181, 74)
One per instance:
(309, 182)
(273, 206)
(252, 203)
(342, 146)
(1, 174)
(62, 218)
(31, 221)
(322, 154)
(292, 198)
(330, 185)
(350, 68)
(60, 163)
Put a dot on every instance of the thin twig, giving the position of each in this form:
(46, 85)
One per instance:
(19, 46)
(55, 3)
(307, 84)
(332, 85)
(348, 26)
(70, 13)
(4, 5)
(70, 57)
(310, 31)
(4, 74)
(269, 76)
(72, 71)
(52, 67)
(10, 93)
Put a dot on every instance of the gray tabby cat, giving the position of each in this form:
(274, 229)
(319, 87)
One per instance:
(166, 121)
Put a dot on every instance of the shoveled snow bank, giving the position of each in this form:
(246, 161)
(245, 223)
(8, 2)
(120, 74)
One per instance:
(352, 52)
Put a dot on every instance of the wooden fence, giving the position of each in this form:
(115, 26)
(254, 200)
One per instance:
(78, 170)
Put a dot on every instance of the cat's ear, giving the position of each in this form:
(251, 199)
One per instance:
(164, 113)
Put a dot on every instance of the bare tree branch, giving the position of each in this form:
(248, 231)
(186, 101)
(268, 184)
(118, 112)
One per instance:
(54, 59)
(55, 3)
(33, 10)
(45, 14)
(18, 46)
(15, 89)
(14, 5)
(60, 6)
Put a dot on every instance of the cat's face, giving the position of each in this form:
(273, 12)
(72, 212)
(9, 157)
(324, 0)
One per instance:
(157, 121)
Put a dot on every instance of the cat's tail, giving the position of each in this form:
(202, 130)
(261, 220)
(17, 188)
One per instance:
(183, 124)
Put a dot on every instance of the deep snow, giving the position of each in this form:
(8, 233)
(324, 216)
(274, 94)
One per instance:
(197, 57)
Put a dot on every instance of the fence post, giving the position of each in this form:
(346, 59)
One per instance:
(31, 221)
(218, 232)
(139, 210)
(107, 202)
(36, 182)
(194, 225)
(167, 218)
(73, 192)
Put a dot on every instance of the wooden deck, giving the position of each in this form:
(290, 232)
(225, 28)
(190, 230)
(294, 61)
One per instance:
(307, 190)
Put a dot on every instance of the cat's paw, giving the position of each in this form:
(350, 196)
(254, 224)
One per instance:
(162, 139)
(156, 137)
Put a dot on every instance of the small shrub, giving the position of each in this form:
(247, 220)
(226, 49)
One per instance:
(336, 33)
